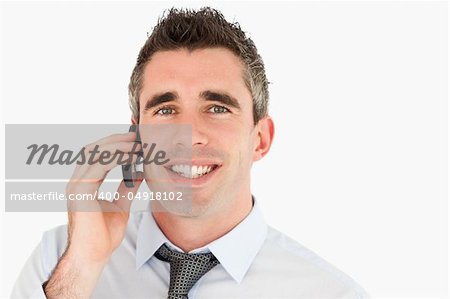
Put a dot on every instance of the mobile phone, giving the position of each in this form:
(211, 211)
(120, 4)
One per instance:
(129, 171)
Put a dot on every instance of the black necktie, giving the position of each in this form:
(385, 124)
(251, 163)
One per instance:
(185, 269)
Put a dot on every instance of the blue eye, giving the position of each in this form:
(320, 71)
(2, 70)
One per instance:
(165, 111)
(218, 109)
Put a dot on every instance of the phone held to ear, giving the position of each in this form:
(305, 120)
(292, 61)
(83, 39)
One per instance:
(129, 171)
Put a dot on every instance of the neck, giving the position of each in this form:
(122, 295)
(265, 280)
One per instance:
(190, 233)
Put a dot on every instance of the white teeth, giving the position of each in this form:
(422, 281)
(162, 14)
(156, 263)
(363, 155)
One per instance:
(191, 172)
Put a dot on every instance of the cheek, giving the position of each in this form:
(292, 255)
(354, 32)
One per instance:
(237, 143)
(231, 133)
(223, 132)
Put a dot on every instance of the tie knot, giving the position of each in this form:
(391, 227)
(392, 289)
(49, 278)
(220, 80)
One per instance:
(185, 269)
(166, 254)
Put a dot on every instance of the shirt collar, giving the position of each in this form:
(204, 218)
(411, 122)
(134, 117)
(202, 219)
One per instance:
(235, 250)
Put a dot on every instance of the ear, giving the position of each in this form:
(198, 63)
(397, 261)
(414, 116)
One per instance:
(133, 120)
(265, 132)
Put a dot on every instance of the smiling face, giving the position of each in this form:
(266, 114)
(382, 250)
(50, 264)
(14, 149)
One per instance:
(204, 89)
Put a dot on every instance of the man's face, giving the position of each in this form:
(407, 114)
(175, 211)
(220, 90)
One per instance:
(206, 90)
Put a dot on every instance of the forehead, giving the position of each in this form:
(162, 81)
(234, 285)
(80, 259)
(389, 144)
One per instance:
(184, 71)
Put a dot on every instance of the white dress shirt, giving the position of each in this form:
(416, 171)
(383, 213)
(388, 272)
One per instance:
(256, 261)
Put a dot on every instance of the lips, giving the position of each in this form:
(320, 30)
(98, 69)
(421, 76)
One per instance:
(192, 171)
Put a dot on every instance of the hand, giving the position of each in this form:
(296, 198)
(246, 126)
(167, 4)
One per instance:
(96, 227)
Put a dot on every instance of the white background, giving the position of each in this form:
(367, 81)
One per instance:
(358, 169)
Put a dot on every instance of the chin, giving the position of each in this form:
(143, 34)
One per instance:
(190, 207)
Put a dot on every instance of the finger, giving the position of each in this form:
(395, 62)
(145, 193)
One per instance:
(107, 157)
(112, 139)
(86, 188)
(97, 173)
(115, 138)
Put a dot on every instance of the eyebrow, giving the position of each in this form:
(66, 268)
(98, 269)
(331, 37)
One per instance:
(208, 95)
(160, 98)
(221, 97)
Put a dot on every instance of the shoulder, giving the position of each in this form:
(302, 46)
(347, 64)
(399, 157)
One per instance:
(295, 265)
(54, 241)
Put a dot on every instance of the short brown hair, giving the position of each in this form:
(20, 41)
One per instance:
(204, 28)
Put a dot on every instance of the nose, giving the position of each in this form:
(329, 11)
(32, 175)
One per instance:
(199, 137)
(192, 132)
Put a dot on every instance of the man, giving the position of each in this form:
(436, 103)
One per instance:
(196, 69)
